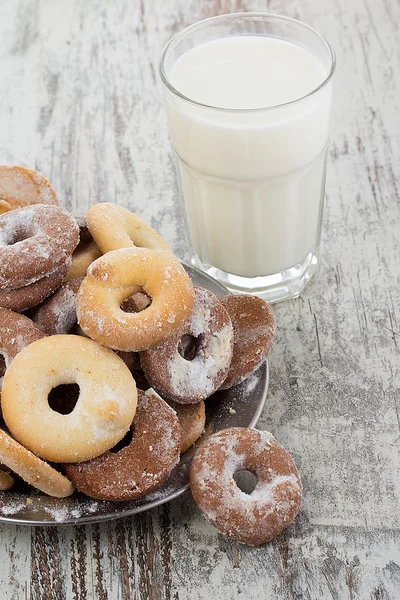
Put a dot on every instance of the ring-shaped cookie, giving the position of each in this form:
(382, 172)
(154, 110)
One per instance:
(253, 518)
(34, 241)
(31, 295)
(16, 332)
(117, 275)
(32, 469)
(114, 227)
(57, 314)
(102, 414)
(189, 381)
(254, 335)
(192, 419)
(23, 187)
(142, 466)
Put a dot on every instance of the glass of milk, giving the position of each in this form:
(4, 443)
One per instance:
(248, 99)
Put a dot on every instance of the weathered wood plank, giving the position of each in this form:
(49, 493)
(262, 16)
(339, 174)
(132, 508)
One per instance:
(81, 101)
(15, 566)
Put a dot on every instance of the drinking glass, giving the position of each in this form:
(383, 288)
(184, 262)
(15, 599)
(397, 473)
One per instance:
(252, 180)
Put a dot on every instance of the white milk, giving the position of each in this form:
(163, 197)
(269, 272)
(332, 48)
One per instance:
(251, 181)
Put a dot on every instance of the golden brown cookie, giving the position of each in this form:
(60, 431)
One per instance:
(23, 187)
(117, 275)
(31, 469)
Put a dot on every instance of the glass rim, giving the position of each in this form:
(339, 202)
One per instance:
(228, 16)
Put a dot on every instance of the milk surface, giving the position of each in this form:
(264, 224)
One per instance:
(251, 180)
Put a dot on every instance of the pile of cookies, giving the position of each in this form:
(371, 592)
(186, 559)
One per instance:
(106, 306)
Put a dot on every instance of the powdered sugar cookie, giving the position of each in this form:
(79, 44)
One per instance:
(23, 187)
(253, 518)
(140, 467)
(188, 380)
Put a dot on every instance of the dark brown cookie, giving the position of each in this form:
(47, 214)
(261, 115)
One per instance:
(31, 295)
(34, 242)
(254, 518)
(254, 335)
(192, 419)
(191, 365)
(16, 332)
(57, 314)
(140, 467)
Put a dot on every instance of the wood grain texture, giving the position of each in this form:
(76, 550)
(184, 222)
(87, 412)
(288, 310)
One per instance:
(80, 100)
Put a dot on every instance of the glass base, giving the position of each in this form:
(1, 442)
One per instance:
(272, 288)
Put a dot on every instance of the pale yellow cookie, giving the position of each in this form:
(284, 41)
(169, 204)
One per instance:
(31, 469)
(104, 410)
(114, 227)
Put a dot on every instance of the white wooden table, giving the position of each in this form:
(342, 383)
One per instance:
(80, 101)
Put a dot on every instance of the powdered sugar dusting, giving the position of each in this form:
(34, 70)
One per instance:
(189, 381)
(66, 313)
(251, 383)
(57, 315)
(252, 518)
(11, 508)
(267, 491)
(197, 377)
(34, 241)
(16, 332)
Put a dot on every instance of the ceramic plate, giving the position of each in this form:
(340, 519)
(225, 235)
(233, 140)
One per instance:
(240, 406)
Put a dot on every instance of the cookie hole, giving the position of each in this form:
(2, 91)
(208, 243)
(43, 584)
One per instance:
(245, 480)
(63, 398)
(126, 440)
(136, 303)
(19, 238)
(189, 346)
(18, 234)
(2, 365)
